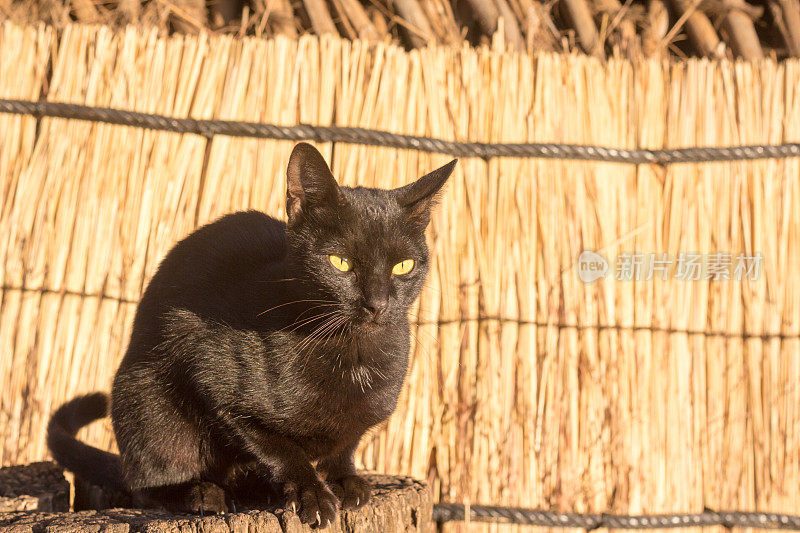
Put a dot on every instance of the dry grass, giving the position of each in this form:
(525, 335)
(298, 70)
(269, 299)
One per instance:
(527, 386)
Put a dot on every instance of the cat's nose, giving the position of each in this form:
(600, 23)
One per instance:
(376, 305)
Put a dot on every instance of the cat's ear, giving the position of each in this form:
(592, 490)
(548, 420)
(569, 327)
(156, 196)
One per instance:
(309, 183)
(419, 197)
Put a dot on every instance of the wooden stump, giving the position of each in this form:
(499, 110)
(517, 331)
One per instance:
(398, 504)
(35, 487)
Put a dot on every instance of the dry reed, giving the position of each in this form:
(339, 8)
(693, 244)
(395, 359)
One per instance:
(526, 387)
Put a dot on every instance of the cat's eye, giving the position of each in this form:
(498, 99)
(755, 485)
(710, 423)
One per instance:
(339, 262)
(403, 267)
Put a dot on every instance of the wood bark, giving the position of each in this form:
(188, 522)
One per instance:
(37, 487)
(398, 504)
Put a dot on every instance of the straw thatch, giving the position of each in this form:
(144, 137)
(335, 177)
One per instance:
(526, 386)
(677, 28)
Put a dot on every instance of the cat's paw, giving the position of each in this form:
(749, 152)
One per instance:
(205, 497)
(354, 490)
(199, 497)
(313, 502)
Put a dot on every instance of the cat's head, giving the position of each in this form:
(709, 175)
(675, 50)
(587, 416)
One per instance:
(362, 248)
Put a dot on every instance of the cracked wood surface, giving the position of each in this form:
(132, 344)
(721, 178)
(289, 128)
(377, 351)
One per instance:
(34, 499)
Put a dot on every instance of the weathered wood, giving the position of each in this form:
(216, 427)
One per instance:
(35, 499)
(35, 487)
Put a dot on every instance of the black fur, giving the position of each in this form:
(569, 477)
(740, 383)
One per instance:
(75, 455)
(253, 360)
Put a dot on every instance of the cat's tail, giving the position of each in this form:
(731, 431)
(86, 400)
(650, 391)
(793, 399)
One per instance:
(86, 462)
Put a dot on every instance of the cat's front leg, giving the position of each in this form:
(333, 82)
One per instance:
(340, 470)
(304, 490)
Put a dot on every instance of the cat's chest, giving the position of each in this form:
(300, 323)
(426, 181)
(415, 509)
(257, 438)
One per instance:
(327, 416)
(359, 395)
(335, 396)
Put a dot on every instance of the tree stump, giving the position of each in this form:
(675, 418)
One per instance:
(34, 499)
(35, 487)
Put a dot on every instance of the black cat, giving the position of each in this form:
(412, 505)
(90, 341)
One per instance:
(261, 352)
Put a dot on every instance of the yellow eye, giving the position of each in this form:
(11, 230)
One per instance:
(341, 263)
(403, 267)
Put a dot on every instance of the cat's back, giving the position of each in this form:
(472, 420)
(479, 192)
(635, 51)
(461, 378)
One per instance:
(234, 242)
(208, 272)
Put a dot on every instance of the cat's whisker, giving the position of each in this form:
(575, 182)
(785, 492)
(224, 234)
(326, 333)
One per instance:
(315, 335)
(331, 331)
(316, 332)
(290, 303)
(324, 316)
(419, 345)
(430, 335)
(315, 307)
(431, 287)
(296, 325)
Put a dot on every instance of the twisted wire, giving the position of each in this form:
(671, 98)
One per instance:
(355, 135)
(446, 512)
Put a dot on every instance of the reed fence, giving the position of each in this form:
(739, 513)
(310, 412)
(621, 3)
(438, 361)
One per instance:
(527, 386)
(634, 28)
